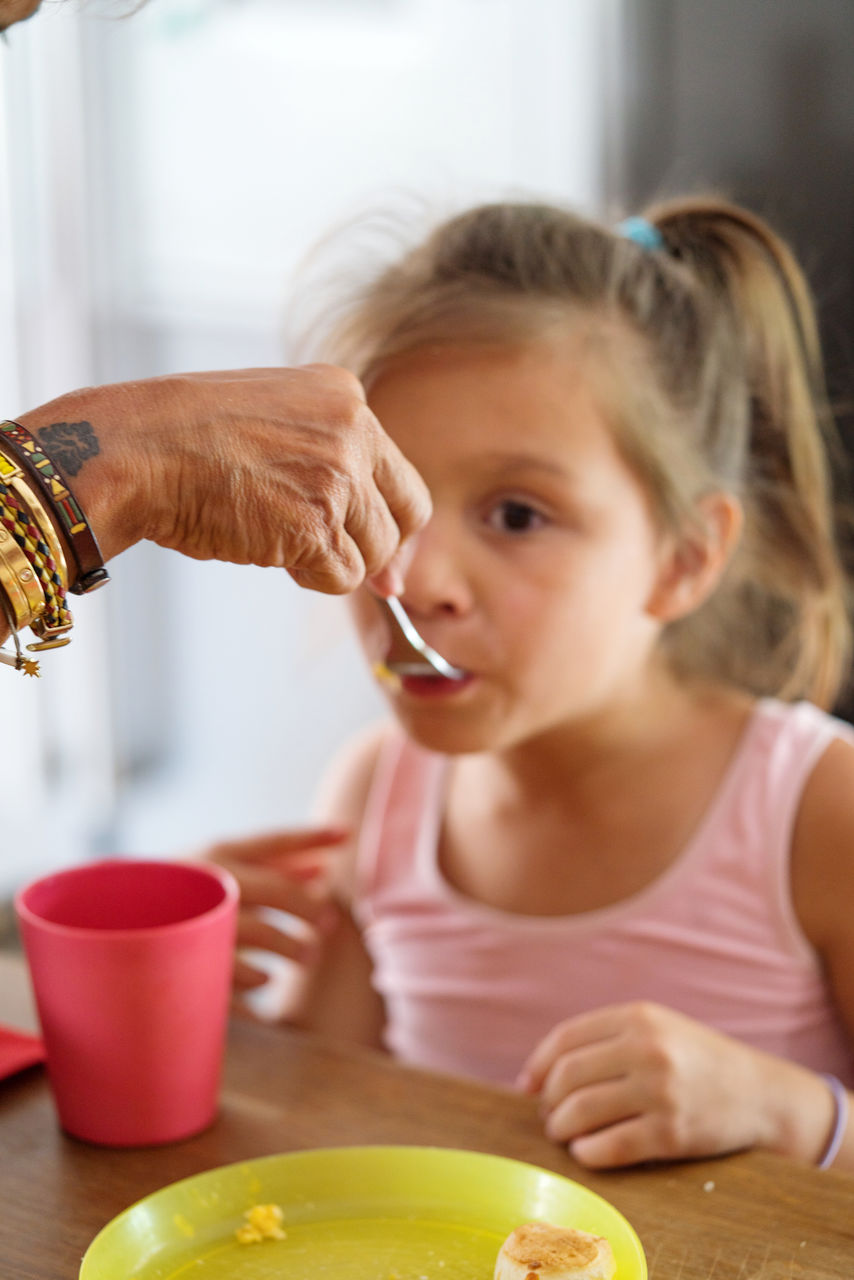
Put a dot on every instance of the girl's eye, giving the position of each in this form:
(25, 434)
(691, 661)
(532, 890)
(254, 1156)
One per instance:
(512, 516)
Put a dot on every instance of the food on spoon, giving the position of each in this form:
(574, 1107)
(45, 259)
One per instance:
(263, 1222)
(383, 672)
(541, 1251)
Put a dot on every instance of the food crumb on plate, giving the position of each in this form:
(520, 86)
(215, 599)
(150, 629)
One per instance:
(263, 1222)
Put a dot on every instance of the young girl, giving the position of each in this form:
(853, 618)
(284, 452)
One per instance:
(614, 863)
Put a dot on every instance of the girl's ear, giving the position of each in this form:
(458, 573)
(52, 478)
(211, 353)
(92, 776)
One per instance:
(694, 562)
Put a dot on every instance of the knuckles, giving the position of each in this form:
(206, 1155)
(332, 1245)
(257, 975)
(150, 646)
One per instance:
(337, 378)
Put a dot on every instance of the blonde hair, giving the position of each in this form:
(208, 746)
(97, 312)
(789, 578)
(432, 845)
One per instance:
(713, 380)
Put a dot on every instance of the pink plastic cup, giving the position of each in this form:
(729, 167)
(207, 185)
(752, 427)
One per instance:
(131, 966)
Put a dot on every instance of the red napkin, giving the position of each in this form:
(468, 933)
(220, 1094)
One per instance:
(18, 1049)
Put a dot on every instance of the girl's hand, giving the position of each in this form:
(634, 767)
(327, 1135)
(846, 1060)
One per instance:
(636, 1082)
(288, 871)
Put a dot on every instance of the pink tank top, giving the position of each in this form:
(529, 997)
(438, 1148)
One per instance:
(470, 989)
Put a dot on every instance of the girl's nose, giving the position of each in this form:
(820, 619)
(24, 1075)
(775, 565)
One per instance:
(435, 581)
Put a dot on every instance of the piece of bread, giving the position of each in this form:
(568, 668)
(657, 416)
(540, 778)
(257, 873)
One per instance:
(540, 1251)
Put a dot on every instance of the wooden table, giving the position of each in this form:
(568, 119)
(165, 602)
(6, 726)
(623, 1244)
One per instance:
(747, 1217)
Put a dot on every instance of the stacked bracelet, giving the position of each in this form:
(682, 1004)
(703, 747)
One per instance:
(840, 1121)
(23, 447)
(20, 584)
(23, 517)
(36, 506)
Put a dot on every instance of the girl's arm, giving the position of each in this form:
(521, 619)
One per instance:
(335, 995)
(823, 887)
(634, 1082)
(308, 875)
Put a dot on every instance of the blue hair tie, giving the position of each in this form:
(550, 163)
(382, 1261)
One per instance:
(642, 232)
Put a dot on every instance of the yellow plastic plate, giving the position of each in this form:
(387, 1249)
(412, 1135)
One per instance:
(351, 1213)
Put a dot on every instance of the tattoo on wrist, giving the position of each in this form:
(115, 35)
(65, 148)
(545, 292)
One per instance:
(70, 444)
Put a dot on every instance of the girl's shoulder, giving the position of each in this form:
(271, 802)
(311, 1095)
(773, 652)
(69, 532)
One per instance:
(346, 787)
(346, 782)
(822, 852)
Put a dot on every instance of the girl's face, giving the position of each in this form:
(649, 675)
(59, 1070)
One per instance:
(539, 568)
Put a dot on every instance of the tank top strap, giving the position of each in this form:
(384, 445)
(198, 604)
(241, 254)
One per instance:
(793, 737)
(749, 839)
(401, 810)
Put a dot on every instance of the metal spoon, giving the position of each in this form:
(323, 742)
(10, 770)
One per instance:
(432, 659)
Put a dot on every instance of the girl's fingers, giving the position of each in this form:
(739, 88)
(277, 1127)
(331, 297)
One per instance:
(578, 1070)
(592, 1107)
(278, 844)
(575, 1033)
(252, 931)
(631, 1141)
(246, 977)
(257, 934)
(260, 887)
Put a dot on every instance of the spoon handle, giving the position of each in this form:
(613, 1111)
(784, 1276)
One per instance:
(413, 638)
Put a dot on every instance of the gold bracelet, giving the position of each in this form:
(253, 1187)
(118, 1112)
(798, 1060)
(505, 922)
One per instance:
(24, 518)
(22, 596)
(14, 476)
(19, 582)
(29, 666)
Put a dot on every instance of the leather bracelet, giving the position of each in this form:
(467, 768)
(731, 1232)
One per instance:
(85, 552)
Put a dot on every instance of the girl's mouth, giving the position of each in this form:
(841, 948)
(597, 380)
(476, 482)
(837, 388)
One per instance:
(418, 680)
(429, 684)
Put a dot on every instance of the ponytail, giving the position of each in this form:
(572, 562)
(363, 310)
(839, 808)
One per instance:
(788, 587)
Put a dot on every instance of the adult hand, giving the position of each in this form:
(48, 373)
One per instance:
(277, 467)
(636, 1082)
(288, 871)
(12, 11)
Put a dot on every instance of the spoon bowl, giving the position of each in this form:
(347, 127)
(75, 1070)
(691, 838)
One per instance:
(433, 662)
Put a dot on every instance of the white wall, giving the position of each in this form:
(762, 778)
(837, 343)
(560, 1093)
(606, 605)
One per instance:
(221, 139)
(57, 780)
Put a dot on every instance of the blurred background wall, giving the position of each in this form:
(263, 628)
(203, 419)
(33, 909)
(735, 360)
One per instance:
(162, 178)
(757, 99)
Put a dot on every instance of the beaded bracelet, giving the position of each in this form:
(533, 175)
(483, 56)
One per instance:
(840, 1121)
(85, 552)
(13, 476)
